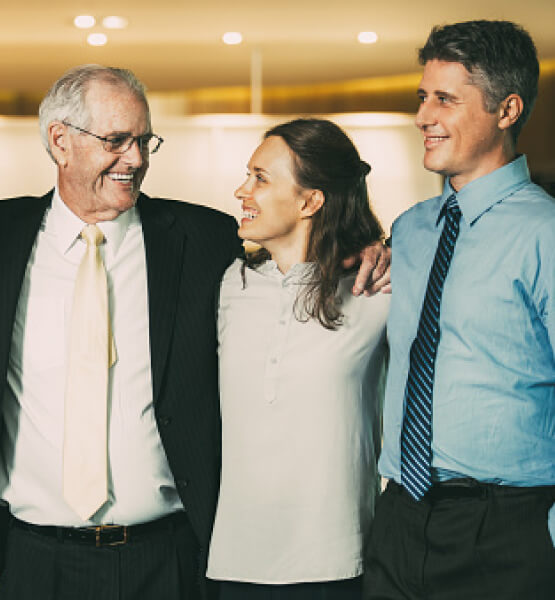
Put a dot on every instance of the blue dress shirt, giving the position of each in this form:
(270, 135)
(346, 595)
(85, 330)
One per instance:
(494, 387)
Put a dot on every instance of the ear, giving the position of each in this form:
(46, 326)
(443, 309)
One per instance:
(313, 200)
(59, 142)
(510, 110)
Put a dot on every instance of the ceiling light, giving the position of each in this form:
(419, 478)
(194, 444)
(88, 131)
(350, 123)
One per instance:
(84, 21)
(114, 22)
(232, 38)
(97, 39)
(367, 37)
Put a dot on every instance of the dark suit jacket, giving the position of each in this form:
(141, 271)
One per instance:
(187, 248)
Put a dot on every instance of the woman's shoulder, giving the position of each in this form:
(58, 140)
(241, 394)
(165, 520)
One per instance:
(234, 270)
(247, 281)
(232, 280)
(239, 270)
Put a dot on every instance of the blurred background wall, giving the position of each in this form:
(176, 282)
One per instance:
(203, 159)
(212, 101)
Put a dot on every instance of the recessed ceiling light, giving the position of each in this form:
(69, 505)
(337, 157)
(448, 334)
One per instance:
(97, 39)
(232, 38)
(84, 21)
(367, 37)
(114, 22)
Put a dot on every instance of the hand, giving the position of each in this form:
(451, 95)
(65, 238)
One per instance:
(374, 271)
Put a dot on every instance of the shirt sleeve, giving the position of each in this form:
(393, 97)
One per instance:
(544, 295)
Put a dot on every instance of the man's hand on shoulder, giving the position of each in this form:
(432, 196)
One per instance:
(374, 270)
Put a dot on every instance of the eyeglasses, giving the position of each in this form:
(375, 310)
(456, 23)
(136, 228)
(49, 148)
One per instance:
(120, 143)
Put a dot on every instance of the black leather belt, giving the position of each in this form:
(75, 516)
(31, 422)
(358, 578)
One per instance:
(466, 487)
(104, 535)
(463, 487)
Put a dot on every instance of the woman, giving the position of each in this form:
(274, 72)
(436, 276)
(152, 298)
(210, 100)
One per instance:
(301, 361)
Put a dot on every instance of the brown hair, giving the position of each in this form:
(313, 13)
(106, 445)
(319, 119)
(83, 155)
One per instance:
(324, 158)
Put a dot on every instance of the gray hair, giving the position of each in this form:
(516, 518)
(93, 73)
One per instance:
(65, 100)
(500, 57)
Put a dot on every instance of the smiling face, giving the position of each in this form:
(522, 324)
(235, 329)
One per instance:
(275, 213)
(95, 184)
(462, 140)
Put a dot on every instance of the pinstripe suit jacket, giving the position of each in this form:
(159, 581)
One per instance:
(188, 247)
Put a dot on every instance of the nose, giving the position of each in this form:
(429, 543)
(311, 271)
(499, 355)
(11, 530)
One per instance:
(134, 156)
(425, 115)
(243, 190)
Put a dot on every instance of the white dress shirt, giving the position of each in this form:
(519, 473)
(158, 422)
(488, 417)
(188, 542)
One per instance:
(301, 418)
(141, 487)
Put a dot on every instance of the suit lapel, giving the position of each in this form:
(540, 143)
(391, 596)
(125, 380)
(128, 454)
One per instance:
(18, 230)
(21, 226)
(164, 244)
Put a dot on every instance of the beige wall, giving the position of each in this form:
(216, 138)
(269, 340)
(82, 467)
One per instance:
(387, 94)
(204, 158)
(194, 141)
(384, 94)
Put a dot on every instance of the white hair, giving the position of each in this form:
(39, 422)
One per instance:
(65, 100)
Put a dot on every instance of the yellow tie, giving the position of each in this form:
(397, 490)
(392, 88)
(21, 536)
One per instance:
(91, 354)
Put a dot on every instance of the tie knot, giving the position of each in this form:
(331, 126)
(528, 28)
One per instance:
(92, 235)
(450, 207)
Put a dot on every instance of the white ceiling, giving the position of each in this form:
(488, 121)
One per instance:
(175, 44)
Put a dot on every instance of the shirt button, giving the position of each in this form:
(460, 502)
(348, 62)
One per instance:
(182, 484)
(273, 360)
(282, 321)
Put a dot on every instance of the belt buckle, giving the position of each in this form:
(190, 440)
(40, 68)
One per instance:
(100, 528)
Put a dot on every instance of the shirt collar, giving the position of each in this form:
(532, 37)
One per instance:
(67, 226)
(478, 196)
(298, 272)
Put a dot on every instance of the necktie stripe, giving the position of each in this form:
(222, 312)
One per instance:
(416, 413)
(413, 431)
(422, 379)
(420, 457)
(443, 255)
(416, 416)
(435, 283)
(433, 301)
(420, 388)
(426, 356)
(415, 487)
(417, 443)
(430, 324)
(427, 345)
(416, 432)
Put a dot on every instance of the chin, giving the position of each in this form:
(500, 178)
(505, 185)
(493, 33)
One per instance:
(243, 233)
(246, 237)
(435, 166)
(128, 201)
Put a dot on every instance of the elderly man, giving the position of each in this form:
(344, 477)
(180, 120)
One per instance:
(110, 438)
(470, 403)
(133, 441)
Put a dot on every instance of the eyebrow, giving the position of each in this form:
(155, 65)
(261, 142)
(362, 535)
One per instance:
(422, 92)
(126, 133)
(257, 169)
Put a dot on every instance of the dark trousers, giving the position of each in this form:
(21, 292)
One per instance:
(162, 565)
(493, 546)
(345, 589)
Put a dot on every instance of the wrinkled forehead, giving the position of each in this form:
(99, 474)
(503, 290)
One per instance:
(115, 106)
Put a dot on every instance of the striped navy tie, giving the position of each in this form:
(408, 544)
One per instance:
(416, 434)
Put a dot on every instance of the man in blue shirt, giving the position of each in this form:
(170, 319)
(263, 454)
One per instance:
(469, 417)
